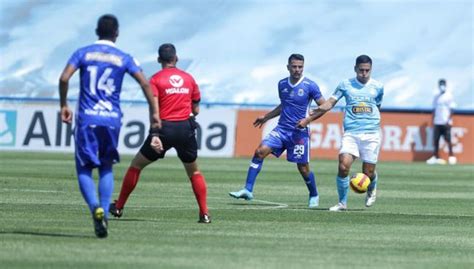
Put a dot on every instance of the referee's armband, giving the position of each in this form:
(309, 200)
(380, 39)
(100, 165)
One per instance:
(155, 131)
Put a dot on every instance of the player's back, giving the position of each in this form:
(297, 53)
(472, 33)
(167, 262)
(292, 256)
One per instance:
(102, 68)
(176, 90)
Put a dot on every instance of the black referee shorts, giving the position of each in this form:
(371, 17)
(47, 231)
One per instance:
(442, 130)
(180, 135)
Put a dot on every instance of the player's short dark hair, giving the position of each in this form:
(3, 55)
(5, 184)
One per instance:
(363, 59)
(107, 26)
(442, 81)
(295, 56)
(167, 52)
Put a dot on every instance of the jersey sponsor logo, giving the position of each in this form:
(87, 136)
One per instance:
(176, 81)
(7, 127)
(177, 91)
(102, 108)
(362, 108)
(104, 57)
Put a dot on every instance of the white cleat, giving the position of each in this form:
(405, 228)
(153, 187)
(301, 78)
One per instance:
(338, 207)
(313, 202)
(242, 194)
(452, 160)
(370, 198)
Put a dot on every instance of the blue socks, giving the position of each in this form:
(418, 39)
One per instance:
(311, 184)
(254, 169)
(342, 188)
(106, 187)
(88, 187)
(373, 183)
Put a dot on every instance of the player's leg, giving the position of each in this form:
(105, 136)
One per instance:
(310, 181)
(144, 157)
(271, 144)
(254, 169)
(298, 148)
(369, 170)
(87, 185)
(342, 180)
(369, 151)
(86, 148)
(347, 154)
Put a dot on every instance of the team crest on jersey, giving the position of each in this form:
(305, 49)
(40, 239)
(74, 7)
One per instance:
(176, 81)
(300, 92)
(362, 108)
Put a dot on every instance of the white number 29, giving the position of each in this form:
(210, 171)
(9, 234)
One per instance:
(298, 150)
(104, 83)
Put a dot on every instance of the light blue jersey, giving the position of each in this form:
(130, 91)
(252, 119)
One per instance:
(102, 68)
(361, 113)
(295, 100)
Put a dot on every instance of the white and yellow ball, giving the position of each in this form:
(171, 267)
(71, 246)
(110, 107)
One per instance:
(359, 182)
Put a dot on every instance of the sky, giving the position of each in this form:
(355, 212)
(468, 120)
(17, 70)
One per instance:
(238, 50)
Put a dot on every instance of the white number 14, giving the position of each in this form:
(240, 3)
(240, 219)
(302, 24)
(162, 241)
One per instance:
(104, 83)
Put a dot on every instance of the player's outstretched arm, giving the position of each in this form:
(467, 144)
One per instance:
(66, 112)
(318, 112)
(153, 105)
(270, 115)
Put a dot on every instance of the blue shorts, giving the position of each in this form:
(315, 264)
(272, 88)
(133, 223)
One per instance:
(295, 142)
(96, 145)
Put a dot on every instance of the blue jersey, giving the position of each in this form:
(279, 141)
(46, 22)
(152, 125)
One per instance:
(295, 100)
(102, 68)
(361, 113)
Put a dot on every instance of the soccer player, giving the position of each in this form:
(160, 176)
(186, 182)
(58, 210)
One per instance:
(443, 105)
(361, 138)
(98, 118)
(296, 93)
(178, 97)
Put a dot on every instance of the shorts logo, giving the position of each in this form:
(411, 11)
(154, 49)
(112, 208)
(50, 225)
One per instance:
(7, 127)
(176, 81)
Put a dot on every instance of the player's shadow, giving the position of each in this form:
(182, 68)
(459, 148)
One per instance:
(132, 220)
(47, 234)
(250, 204)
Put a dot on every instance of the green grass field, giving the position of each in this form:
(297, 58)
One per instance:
(423, 218)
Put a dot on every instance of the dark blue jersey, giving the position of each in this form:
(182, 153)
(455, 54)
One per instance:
(102, 68)
(295, 100)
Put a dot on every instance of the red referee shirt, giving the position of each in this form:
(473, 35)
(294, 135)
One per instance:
(175, 90)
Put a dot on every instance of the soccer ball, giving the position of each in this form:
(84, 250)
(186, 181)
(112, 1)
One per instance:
(359, 182)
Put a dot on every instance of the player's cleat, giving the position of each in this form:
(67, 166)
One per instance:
(338, 207)
(313, 202)
(100, 223)
(242, 194)
(205, 219)
(115, 211)
(452, 160)
(370, 198)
